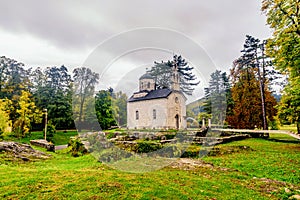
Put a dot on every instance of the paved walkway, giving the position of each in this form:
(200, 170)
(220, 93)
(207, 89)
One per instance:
(60, 147)
(260, 131)
(294, 135)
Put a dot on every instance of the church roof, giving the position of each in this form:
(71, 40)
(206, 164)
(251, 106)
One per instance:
(154, 94)
(146, 76)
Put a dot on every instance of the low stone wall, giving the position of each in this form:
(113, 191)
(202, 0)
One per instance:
(44, 144)
(97, 141)
(219, 140)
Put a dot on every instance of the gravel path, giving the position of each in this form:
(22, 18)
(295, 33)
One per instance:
(60, 147)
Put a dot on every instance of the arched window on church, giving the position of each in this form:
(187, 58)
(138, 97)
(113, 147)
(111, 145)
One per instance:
(154, 114)
(137, 115)
(148, 85)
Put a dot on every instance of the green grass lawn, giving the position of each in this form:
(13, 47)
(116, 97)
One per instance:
(62, 137)
(59, 138)
(260, 173)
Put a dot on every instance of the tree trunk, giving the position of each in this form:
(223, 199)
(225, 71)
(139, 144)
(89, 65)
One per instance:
(80, 116)
(262, 92)
(263, 104)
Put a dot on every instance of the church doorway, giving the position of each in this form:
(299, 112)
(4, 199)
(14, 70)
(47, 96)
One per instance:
(177, 121)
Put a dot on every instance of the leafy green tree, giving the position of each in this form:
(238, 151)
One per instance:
(289, 108)
(282, 16)
(51, 131)
(218, 97)
(52, 89)
(120, 104)
(39, 91)
(59, 85)
(284, 47)
(163, 71)
(13, 77)
(89, 118)
(104, 109)
(84, 87)
(4, 64)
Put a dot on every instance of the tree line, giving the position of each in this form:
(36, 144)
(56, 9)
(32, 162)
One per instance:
(69, 99)
(244, 97)
(284, 48)
(26, 93)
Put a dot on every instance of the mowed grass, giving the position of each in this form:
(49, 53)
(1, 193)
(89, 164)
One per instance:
(59, 138)
(276, 158)
(235, 176)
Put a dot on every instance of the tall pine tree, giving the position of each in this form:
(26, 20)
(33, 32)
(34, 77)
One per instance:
(218, 97)
(162, 71)
(253, 56)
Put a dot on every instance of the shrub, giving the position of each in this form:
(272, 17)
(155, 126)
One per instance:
(274, 125)
(146, 147)
(76, 147)
(191, 152)
(51, 130)
(170, 151)
(110, 135)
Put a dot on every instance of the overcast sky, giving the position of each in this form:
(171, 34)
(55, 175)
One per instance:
(52, 33)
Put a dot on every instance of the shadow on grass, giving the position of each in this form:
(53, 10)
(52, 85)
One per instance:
(284, 141)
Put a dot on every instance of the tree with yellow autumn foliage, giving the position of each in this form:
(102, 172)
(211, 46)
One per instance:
(27, 113)
(5, 122)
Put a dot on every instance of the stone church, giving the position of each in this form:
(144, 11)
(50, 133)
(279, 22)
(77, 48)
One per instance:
(152, 108)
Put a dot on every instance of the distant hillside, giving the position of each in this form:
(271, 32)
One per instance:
(196, 107)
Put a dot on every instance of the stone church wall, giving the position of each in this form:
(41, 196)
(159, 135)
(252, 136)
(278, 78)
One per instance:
(165, 111)
(146, 118)
(177, 107)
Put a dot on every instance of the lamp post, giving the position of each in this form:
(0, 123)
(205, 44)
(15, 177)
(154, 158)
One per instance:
(46, 121)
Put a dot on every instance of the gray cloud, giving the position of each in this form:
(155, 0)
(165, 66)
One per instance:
(219, 26)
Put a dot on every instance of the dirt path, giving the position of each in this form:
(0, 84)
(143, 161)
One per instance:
(60, 147)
